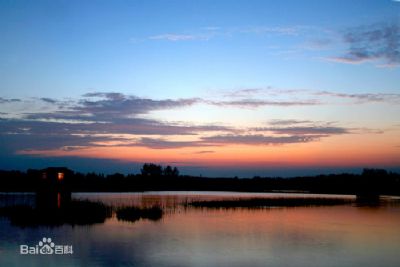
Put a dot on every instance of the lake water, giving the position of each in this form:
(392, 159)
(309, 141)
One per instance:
(344, 235)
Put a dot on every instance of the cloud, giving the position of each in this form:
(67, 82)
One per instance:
(311, 128)
(255, 103)
(37, 135)
(306, 130)
(118, 105)
(362, 98)
(318, 44)
(12, 100)
(160, 143)
(114, 119)
(346, 60)
(204, 152)
(207, 33)
(303, 128)
(49, 100)
(102, 113)
(371, 43)
(115, 104)
(136, 126)
(180, 37)
(258, 139)
(97, 119)
(22, 135)
(244, 92)
(211, 28)
(108, 95)
(280, 30)
(287, 122)
(364, 130)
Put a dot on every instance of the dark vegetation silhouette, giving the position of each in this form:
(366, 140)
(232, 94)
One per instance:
(57, 212)
(54, 207)
(133, 214)
(73, 212)
(270, 202)
(370, 184)
(153, 170)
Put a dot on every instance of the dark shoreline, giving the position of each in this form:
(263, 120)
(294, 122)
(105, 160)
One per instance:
(370, 182)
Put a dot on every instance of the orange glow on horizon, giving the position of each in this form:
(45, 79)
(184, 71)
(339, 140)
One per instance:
(335, 151)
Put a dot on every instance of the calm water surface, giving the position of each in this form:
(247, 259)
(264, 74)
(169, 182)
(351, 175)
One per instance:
(348, 235)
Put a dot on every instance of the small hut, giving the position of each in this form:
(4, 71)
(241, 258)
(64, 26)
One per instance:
(53, 188)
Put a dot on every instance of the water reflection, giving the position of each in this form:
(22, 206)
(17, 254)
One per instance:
(133, 214)
(72, 212)
(133, 232)
(88, 209)
(57, 209)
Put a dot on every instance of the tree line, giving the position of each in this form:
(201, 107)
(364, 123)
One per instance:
(153, 177)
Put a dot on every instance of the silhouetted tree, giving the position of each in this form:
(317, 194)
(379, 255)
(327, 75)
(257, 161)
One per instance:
(175, 172)
(150, 169)
(167, 171)
(171, 172)
(374, 172)
(371, 183)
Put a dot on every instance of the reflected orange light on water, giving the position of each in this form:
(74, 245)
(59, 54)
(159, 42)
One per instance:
(264, 234)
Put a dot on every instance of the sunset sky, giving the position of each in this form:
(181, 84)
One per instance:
(213, 87)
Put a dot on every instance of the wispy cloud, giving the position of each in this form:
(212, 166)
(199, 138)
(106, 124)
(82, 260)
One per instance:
(95, 120)
(258, 139)
(362, 98)
(9, 100)
(119, 105)
(204, 152)
(181, 37)
(36, 134)
(244, 92)
(258, 97)
(115, 104)
(306, 130)
(254, 103)
(114, 119)
(160, 143)
(318, 44)
(287, 122)
(371, 43)
(49, 100)
(207, 33)
(281, 30)
(108, 95)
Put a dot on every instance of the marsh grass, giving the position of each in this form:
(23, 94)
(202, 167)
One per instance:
(270, 202)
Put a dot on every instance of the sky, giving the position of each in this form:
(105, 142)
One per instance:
(216, 88)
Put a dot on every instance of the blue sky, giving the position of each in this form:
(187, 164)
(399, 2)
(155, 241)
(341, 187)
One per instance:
(75, 46)
(238, 64)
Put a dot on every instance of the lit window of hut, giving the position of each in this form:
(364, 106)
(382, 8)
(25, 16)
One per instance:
(60, 176)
